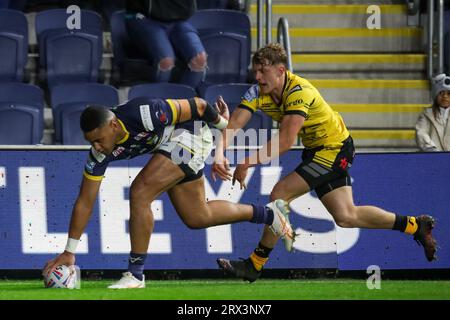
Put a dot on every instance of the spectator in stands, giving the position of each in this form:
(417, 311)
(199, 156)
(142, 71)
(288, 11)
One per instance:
(433, 125)
(161, 29)
(325, 161)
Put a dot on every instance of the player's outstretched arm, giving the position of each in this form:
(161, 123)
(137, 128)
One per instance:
(239, 118)
(81, 214)
(279, 144)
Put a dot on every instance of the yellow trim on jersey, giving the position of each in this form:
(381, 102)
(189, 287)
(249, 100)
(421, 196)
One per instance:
(91, 177)
(187, 149)
(127, 134)
(174, 111)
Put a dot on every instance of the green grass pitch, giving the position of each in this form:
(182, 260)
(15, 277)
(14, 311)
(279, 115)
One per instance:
(317, 289)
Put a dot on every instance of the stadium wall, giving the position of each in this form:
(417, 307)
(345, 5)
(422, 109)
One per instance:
(38, 188)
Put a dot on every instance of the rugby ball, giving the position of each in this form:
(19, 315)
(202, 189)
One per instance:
(61, 277)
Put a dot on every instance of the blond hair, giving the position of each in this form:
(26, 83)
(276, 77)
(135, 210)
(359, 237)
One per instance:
(272, 53)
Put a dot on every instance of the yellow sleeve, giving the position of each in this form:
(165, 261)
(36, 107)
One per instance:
(250, 99)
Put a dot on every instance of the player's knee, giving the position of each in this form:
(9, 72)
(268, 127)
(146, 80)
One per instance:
(199, 221)
(347, 218)
(198, 63)
(166, 64)
(140, 194)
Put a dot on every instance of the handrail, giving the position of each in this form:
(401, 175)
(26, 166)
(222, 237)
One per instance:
(440, 31)
(260, 24)
(430, 38)
(283, 38)
(438, 67)
(268, 21)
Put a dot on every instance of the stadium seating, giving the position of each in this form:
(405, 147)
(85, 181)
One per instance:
(68, 101)
(226, 37)
(70, 56)
(129, 61)
(13, 45)
(211, 4)
(232, 94)
(21, 114)
(162, 90)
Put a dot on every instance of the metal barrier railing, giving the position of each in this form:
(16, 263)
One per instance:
(432, 67)
(283, 38)
(260, 22)
(282, 29)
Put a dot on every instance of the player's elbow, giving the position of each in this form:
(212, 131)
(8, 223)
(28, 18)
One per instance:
(201, 105)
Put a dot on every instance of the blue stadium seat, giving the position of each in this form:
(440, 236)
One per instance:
(17, 4)
(21, 113)
(226, 37)
(68, 101)
(13, 45)
(211, 4)
(232, 94)
(129, 61)
(162, 90)
(71, 56)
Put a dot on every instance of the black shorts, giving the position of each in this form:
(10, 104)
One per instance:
(326, 169)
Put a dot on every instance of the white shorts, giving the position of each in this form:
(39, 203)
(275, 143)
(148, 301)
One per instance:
(188, 150)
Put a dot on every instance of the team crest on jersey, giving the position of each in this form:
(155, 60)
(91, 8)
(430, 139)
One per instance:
(252, 93)
(162, 116)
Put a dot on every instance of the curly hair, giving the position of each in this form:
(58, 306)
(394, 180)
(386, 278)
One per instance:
(272, 53)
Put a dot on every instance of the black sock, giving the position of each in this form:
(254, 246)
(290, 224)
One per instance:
(400, 223)
(262, 251)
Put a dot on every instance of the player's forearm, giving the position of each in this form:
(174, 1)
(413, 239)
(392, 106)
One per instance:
(273, 149)
(202, 110)
(81, 214)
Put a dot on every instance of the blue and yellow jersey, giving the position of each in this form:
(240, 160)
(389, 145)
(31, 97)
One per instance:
(147, 122)
(322, 127)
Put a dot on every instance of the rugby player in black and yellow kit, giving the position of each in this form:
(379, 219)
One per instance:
(329, 152)
(176, 132)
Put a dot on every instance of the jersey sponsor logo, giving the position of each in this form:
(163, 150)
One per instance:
(141, 135)
(146, 117)
(118, 151)
(252, 93)
(97, 155)
(297, 102)
(89, 167)
(152, 140)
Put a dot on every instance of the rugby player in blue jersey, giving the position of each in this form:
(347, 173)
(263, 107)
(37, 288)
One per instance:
(163, 128)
